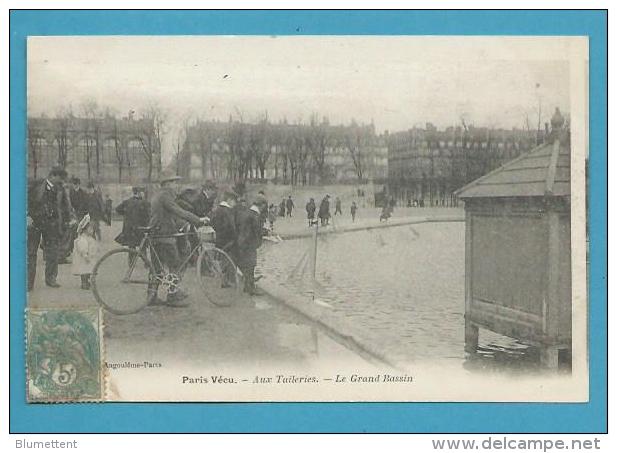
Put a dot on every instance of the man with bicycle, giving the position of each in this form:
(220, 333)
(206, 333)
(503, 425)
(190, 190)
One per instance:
(165, 221)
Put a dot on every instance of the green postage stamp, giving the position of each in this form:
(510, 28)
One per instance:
(64, 355)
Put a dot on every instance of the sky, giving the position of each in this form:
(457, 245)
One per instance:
(395, 82)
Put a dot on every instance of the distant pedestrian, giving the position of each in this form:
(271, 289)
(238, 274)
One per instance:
(324, 211)
(337, 206)
(86, 251)
(354, 209)
(289, 204)
(282, 208)
(310, 211)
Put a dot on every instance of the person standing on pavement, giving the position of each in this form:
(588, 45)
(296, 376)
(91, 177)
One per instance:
(78, 199)
(354, 209)
(69, 230)
(95, 208)
(48, 210)
(249, 240)
(289, 204)
(262, 203)
(166, 220)
(310, 211)
(324, 211)
(86, 252)
(224, 223)
(200, 202)
(136, 213)
(282, 208)
(337, 207)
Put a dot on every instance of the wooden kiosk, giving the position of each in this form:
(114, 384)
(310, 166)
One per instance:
(517, 250)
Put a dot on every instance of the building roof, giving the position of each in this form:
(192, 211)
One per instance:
(543, 171)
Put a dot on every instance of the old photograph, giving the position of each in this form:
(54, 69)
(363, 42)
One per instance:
(306, 218)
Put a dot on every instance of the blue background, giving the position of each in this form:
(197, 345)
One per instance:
(314, 417)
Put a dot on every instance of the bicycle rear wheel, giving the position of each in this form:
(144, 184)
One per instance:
(120, 281)
(218, 276)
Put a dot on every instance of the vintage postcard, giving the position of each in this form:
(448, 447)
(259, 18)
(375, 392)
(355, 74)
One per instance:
(307, 218)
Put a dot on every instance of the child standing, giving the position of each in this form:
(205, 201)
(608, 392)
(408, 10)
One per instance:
(86, 251)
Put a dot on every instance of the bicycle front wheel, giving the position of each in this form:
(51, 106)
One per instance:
(218, 276)
(120, 281)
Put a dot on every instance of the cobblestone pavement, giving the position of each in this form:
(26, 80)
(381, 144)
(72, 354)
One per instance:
(250, 332)
(400, 289)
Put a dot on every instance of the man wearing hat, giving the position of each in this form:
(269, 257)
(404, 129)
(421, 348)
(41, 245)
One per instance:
(199, 201)
(48, 210)
(324, 210)
(166, 221)
(136, 213)
(248, 223)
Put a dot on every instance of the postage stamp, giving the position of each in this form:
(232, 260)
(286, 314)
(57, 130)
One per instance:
(64, 355)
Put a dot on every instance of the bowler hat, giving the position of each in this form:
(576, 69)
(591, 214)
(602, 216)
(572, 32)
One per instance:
(168, 175)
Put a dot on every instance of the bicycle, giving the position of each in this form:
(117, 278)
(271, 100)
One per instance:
(121, 277)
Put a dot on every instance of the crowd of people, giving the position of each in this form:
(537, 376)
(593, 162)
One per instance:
(62, 218)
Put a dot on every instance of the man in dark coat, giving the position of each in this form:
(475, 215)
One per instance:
(290, 206)
(324, 210)
(224, 224)
(249, 240)
(78, 199)
(136, 213)
(49, 210)
(337, 207)
(200, 202)
(310, 211)
(262, 203)
(166, 219)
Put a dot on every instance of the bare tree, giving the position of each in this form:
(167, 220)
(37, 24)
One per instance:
(64, 118)
(120, 154)
(261, 144)
(358, 140)
(319, 140)
(150, 135)
(91, 135)
(34, 148)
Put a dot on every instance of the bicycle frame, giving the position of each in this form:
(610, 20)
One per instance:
(146, 245)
